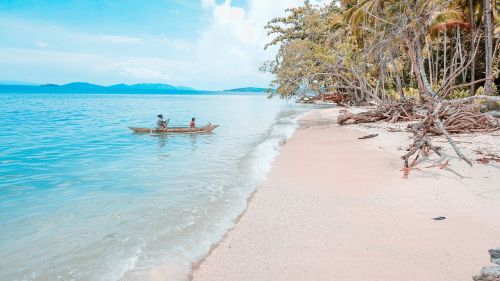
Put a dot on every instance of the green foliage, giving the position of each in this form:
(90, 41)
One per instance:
(458, 94)
(298, 68)
(375, 49)
(481, 103)
(393, 94)
(480, 91)
(301, 64)
(411, 93)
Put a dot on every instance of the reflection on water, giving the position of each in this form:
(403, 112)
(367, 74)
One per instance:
(84, 198)
(193, 138)
(162, 139)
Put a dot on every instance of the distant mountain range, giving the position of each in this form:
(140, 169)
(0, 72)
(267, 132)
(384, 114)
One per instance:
(143, 88)
(247, 90)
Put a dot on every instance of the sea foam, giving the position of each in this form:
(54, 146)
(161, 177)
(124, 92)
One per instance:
(93, 201)
(254, 168)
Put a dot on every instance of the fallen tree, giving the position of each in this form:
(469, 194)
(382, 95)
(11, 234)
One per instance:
(389, 111)
(439, 117)
(337, 98)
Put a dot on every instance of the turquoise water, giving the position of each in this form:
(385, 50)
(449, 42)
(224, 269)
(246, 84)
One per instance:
(84, 198)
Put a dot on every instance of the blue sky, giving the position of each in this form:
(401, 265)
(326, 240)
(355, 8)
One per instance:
(205, 44)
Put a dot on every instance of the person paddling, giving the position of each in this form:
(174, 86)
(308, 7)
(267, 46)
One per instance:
(160, 123)
(192, 124)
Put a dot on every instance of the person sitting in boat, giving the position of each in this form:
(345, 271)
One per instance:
(160, 123)
(192, 124)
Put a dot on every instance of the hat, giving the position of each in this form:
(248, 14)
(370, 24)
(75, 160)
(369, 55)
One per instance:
(160, 116)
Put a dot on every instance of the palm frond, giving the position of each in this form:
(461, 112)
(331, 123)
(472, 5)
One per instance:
(448, 19)
(450, 25)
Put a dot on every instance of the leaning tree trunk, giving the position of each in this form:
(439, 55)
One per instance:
(420, 65)
(416, 70)
(458, 46)
(445, 57)
(473, 65)
(488, 26)
(429, 60)
(415, 52)
(436, 68)
(399, 87)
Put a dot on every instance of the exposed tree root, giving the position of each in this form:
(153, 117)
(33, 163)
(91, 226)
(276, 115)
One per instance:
(442, 117)
(391, 111)
(338, 98)
(458, 119)
(487, 158)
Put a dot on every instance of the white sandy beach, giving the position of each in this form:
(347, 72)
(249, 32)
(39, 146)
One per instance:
(336, 208)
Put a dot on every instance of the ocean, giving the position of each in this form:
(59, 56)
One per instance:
(84, 198)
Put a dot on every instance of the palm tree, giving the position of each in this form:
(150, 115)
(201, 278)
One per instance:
(488, 28)
(423, 18)
(484, 12)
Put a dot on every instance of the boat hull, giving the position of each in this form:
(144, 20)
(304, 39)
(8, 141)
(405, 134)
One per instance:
(187, 130)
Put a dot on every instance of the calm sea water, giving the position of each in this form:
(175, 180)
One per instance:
(84, 198)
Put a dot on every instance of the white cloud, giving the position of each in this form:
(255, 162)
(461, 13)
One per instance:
(173, 43)
(87, 67)
(148, 69)
(226, 54)
(120, 39)
(42, 65)
(49, 53)
(145, 74)
(227, 14)
(207, 3)
(41, 44)
(232, 46)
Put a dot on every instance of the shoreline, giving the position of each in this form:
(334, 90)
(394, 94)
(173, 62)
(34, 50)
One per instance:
(279, 133)
(196, 264)
(235, 256)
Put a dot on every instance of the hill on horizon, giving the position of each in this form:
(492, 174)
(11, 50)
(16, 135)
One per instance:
(85, 87)
(247, 89)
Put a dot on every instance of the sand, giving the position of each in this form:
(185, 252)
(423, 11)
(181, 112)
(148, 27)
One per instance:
(336, 208)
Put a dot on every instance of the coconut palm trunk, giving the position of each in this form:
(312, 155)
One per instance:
(416, 57)
(445, 56)
(473, 64)
(488, 28)
(488, 25)
(429, 60)
(399, 87)
(436, 68)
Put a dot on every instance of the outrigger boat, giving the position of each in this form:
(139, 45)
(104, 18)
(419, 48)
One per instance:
(205, 129)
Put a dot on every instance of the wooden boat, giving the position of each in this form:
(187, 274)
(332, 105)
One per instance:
(205, 129)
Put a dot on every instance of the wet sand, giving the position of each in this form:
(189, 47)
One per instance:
(336, 208)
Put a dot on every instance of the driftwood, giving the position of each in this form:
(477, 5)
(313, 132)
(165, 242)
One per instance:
(367, 137)
(391, 111)
(457, 119)
(446, 117)
(338, 98)
(443, 117)
(487, 159)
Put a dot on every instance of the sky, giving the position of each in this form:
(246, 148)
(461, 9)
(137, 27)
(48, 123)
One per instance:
(205, 44)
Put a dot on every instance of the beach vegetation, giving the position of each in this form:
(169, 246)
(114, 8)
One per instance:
(426, 62)
(371, 49)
